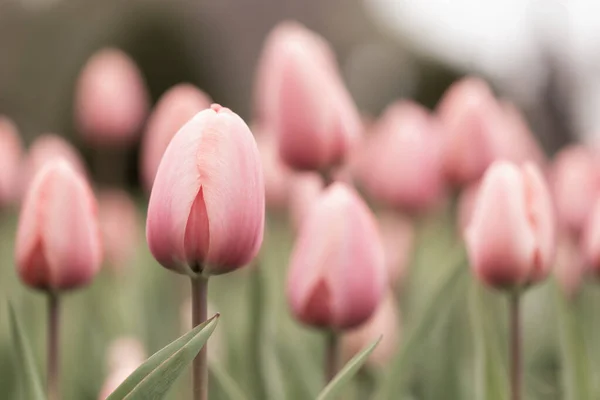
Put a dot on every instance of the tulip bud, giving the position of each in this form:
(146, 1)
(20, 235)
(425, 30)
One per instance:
(304, 191)
(278, 176)
(401, 164)
(510, 239)
(591, 241)
(468, 112)
(58, 239)
(385, 322)
(576, 185)
(11, 153)
(207, 207)
(111, 100)
(337, 274)
(309, 107)
(466, 205)
(119, 228)
(570, 266)
(176, 107)
(397, 234)
(45, 149)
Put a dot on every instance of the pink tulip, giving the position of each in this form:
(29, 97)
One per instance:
(305, 189)
(569, 267)
(398, 236)
(402, 162)
(307, 104)
(278, 176)
(111, 100)
(337, 274)
(466, 205)
(385, 322)
(511, 237)
(207, 206)
(576, 186)
(11, 153)
(45, 149)
(591, 240)
(468, 111)
(176, 107)
(58, 240)
(119, 228)
(270, 64)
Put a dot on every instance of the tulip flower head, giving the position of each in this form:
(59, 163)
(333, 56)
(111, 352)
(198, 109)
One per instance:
(337, 274)
(11, 154)
(570, 266)
(207, 207)
(511, 236)
(176, 107)
(397, 234)
(591, 241)
(402, 163)
(111, 100)
(305, 189)
(58, 243)
(278, 176)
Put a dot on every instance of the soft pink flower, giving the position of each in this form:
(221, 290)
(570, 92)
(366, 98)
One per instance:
(207, 206)
(278, 176)
(111, 100)
(306, 102)
(337, 274)
(119, 227)
(569, 266)
(58, 240)
(575, 178)
(591, 240)
(466, 205)
(385, 322)
(402, 162)
(44, 149)
(305, 189)
(176, 107)
(398, 234)
(511, 236)
(11, 154)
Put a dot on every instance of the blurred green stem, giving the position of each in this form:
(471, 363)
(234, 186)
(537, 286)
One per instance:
(515, 346)
(199, 311)
(331, 355)
(53, 346)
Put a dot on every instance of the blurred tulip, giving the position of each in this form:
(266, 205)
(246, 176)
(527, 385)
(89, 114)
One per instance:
(569, 266)
(511, 237)
(401, 164)
(575, 179)
(111, 100)
(397, 234)
(58, 240)
(119, 228)
(271, 61)
(385, 322)
(467, 111)
(305, 101)
(337, 274)
(466, 205)
(176, 107)
(11, 153)
(305, 189)
(47, 148)
(591, 240)
(278, 176)
(125, 352)
(207, 207)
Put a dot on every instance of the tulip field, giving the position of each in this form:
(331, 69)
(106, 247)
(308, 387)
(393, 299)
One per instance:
(308, 252)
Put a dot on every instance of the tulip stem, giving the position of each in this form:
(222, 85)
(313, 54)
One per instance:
(199, 311)
(515, 346)
(53, 346)
(331, 356)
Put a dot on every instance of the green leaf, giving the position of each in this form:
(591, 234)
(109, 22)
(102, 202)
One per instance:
(342, 378)
(576, 371)
(154, 378)
(439, 301)
(30, 379)
(228, 386)
(491, 379)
